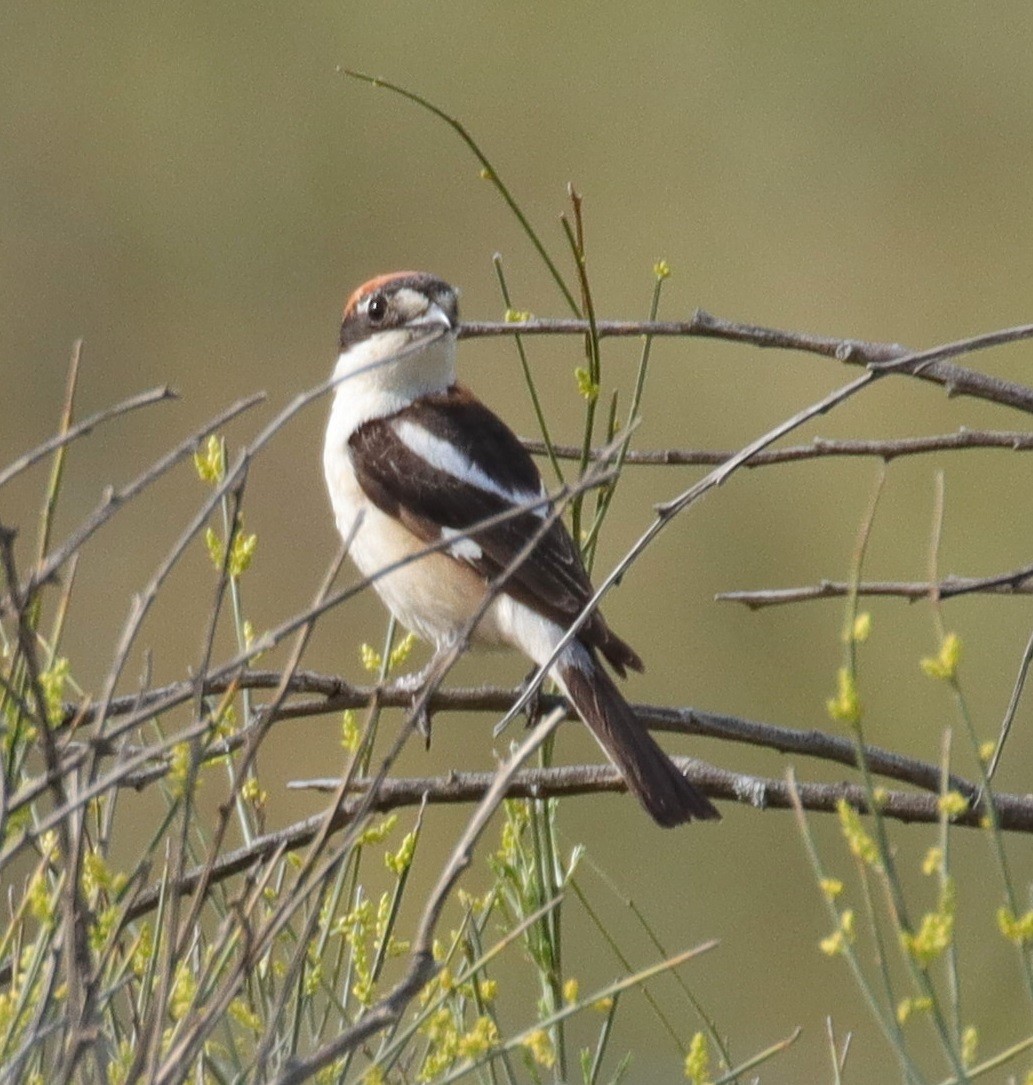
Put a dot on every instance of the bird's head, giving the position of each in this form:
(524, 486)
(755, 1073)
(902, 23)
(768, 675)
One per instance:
(402, 307)
(398, 337)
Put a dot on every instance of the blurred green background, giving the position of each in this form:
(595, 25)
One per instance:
(194, 188)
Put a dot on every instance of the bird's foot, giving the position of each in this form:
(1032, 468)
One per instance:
(409, 683)
(533, 707)
(418, 686)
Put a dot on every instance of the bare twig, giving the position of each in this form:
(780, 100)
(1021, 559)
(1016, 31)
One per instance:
(321, 694)
(760, 792)
(1016, 811)
(928, 365)
(1013, 705)
(1016, 582)
(820, 448)
(81, 429)
(114, 500)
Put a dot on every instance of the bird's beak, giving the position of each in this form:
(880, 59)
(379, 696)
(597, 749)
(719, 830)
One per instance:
(432, 317)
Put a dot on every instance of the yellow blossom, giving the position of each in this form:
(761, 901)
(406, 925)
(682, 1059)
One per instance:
(481, 1038)
(401, 860)
(861, 628)
(53, 681)
(210, 460)
(953, 804)
(179, 766)
(540, 1047)
(118, 1067)
(587, 387)
(1016, 929)
(831, 887)
(184, 987)
(41, 906)
(372, 660)
(908, 1006)
(242, 553)
(350, 733)
(969, 1045)
(841, 937)
(103, 927)
(252, 792)
(378, 833)
(859, 842)
(845, 707)
(401, 652)
(933, 937)
(242, 1013)
(944, 665)
(143, 951)
(933, 861)
(697, 1061)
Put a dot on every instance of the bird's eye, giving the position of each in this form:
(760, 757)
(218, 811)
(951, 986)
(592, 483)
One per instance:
(376, 308)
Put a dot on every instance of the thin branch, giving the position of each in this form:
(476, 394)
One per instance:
(114, 500)
(322, 694)
(1016, 582)
(762, 793)
(820, 448)
(929, 365)
(1013, 705)
(80, 429)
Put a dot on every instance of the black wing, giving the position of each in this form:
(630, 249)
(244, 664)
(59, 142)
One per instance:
(491, 474)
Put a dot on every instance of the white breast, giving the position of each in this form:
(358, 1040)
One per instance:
(435, 596)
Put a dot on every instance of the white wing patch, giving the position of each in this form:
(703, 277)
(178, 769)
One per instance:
(466, 549)
(444, 456)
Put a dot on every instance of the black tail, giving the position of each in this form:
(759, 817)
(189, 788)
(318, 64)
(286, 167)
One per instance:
(650, 774)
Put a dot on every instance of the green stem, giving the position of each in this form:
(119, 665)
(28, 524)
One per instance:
(490, 173)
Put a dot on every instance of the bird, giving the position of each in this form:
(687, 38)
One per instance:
(412, 458)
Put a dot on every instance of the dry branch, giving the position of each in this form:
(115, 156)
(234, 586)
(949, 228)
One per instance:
(928, 365)
(820, 448)
(1016, 582)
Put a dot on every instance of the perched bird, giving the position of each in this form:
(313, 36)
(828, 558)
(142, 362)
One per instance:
(413, 458)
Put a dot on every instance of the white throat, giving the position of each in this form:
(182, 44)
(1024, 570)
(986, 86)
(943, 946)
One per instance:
(386, 373)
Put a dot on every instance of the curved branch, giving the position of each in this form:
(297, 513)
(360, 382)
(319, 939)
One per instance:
(928, 365)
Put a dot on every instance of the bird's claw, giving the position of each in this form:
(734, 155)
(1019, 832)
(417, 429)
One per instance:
(421, 717)
(533, 705)
(417, 685)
